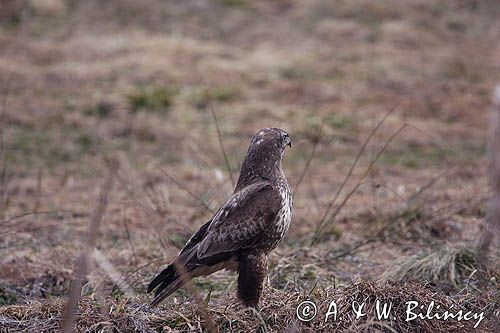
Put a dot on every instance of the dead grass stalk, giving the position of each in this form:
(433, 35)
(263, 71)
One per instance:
(83, 261)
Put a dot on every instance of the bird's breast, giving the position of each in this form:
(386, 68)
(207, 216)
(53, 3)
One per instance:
(285, 213)
(283, 218)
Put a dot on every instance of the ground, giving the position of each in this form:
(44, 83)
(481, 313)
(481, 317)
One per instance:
(133, 86)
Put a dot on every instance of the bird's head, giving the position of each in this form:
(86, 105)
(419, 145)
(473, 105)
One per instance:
(271, 139)
(264, 156)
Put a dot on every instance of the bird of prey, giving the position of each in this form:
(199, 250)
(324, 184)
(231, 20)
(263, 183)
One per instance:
(244, 230)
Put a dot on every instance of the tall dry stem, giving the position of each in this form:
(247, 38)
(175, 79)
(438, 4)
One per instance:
(221, 144)
(83, 260)
(492, 227)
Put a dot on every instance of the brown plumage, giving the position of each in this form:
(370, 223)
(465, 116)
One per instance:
(245, 229)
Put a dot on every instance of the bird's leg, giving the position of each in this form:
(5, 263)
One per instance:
(251, 277)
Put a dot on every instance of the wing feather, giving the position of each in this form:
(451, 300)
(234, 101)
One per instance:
(242, 220)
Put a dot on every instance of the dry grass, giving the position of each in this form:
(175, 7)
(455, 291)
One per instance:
(174, 92)
(450, 265)
(127, 316)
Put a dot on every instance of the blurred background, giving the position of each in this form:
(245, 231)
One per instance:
(150, 84)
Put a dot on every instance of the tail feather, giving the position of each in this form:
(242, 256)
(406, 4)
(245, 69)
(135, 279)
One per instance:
(168, 274)
(169, 280)
(165, 290)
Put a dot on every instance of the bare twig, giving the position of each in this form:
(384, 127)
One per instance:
(435, 138)
(313, 152)
(193, 291)
(370, 239)
(459, 210)
(323, 217)
(356, 159)
(131, 193)
(150, 213)
(393, 220)
(188, 191)
(19, 216)
(5, 95)
(38, 190)
(83, 261)
(207, 160)
(129, 239)
(127, 275)
(321, 226)
(201, 307)
(4, 179)
(429, 184)
(212, 195)
(324, 220)
(492, 228)
(112, 273)
(314, 196)
(221, 143)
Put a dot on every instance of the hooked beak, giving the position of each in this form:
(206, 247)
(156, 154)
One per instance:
(288, 141)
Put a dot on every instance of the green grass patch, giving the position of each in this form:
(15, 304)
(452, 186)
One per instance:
(48, 147)
(206, 285)
(413, 214)
(7, 297)
(27, 147)
(201, 97)
(417, 156)
(158, 99)
(298, 72)
(85, 142)
(465, 261)
(101, 109)
(173, 323)
(232, 3)
(334, 124)
(340, 121)
(310, 275)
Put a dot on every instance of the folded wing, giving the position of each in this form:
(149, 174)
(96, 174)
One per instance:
(240, 223)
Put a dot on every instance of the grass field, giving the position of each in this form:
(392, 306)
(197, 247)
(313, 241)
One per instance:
(89, 86)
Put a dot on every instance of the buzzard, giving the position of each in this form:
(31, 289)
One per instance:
(244, 230)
